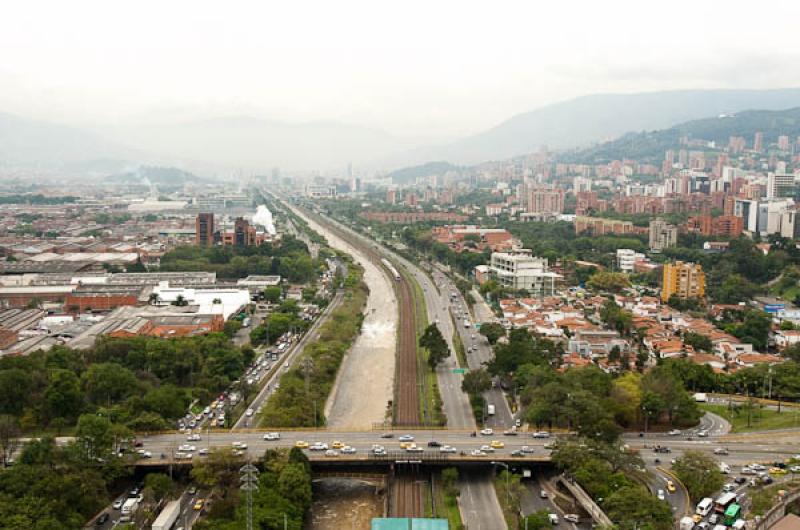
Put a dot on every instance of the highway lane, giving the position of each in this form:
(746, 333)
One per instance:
(480, 509)
(295, 351)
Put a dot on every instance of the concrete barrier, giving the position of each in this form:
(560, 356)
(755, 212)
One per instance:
(588, 504)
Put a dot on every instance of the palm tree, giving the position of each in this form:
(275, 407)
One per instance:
(180, 301)
(154, 299)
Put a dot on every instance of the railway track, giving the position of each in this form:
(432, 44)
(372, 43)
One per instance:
(406, 388)
(407, 496)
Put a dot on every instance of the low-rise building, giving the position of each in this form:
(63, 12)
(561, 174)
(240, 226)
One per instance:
(520, 270)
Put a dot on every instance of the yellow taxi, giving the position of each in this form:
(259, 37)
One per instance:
(406, 445)
(497, 444)
(337, 444)
(300, 444)
(697, 518)
(198, 505)
(777, 471)
(670, 486)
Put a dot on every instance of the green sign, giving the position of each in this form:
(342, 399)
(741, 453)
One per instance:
(459, 370)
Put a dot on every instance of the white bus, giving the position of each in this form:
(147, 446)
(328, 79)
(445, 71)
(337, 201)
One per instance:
(704, 506)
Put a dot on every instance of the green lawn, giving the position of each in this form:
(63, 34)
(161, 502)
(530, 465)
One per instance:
(761, 419)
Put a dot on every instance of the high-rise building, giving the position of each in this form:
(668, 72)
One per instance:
(520, 270)
(685, 280)
(544, 199)
(783, 142)
(662, 235)
(758, 142)
(204, 229)
(391, 196)
(780, 185)
(243, 233)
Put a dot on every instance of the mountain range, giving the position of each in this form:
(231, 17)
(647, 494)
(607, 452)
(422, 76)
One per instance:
(649, 146)
(253, 144)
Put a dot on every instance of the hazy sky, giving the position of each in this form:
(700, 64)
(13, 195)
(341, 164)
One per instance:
(418, 68)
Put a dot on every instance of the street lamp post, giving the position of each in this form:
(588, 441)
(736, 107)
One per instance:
(508, 475)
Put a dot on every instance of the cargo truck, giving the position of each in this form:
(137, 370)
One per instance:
(128, 509)
(168, 516)
(490, 409)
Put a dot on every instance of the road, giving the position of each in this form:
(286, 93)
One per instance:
(285, 361)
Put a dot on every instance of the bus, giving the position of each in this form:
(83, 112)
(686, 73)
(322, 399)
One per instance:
(732, 514)
(724, 501)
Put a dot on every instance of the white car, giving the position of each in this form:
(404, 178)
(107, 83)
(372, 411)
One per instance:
(187, 448)
(571, 517)
(272, 436)
(487, 431)
(117, 504)
(661, 495)
(406, 438)
(541, 434)
(477, 452)
(248, 412)
(527, 449)
(202, 452)
(674, 432)
(319, 446)
(239, 445)
(348, 450)
(193, 438)
(331, 452)
(553, 518)
(448, 449)
(487, 449)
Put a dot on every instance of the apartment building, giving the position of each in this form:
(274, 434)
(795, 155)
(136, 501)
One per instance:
(685, 280)
(662, 235)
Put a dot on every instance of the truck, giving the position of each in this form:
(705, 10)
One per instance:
(466, 323)
(246, 322)
(168, 516)
(490, 409)
(724, 468)
(701, 397)
(687, 523)
(128, 509)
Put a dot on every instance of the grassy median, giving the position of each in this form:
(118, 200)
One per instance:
(746, 417)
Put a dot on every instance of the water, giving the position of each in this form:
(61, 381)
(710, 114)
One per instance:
(344, 504)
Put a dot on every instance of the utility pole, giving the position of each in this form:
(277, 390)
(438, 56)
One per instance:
(249, 479)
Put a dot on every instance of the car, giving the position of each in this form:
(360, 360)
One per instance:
(336, 444)
(541, 434)
(721, 451)
(497, 444)
(777, 471)
(477, 452)
(198, 505)
(487, 449)
(727, 488)
(301, 444)
(661, 495)
(510, 432)
(406, 445)
(747, 470)
(348, 450)
(713, 518)
(192, 490)
(674, 432)
(795, 469)
(697, 518)
(758, 467)
(518, 423)
(553, 518)
(571, 517)
(767, 480)
(406, 438)
(550, 445)
(543, 494)
(448, 449)
(414, 448)
(670, 486)
(248, 412)
(703, 434)
(702, 526)
(272, 436)
(527, 449)
(187, 448)
(319, 446)
(102, 519)
(487, 431)
(203, 451)
(740, 480)
(517, 453)
(387, 435)
(147, 454)
(434, 443)
(331, 452)
(117, 504)
(239, 445)
(193, 438)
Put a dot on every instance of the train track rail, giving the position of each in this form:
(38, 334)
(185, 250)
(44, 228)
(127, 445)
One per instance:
(407, 496)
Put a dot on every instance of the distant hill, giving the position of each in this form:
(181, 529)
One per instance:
(160, 176)
(31, 143)
(650, 146)
(590, 119)
(408, 175)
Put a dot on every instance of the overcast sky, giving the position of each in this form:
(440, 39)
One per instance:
(414, 68)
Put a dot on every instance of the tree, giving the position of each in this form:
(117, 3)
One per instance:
(492, 331)
(476, 382)
(273, 294)
(9, 438)
(294, 483)
(700, 474)
(612, 282)
(697, 341)
(634, 507)
(63, 397)
(180, 301)
(107, 382)
(433, 341)
(94, 432)
(159, 484)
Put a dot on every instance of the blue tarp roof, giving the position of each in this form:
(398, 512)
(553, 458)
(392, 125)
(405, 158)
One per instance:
(402, 523)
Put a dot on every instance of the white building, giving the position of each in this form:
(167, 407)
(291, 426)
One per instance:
(520, 270)
(225, 302)
(627, 258)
